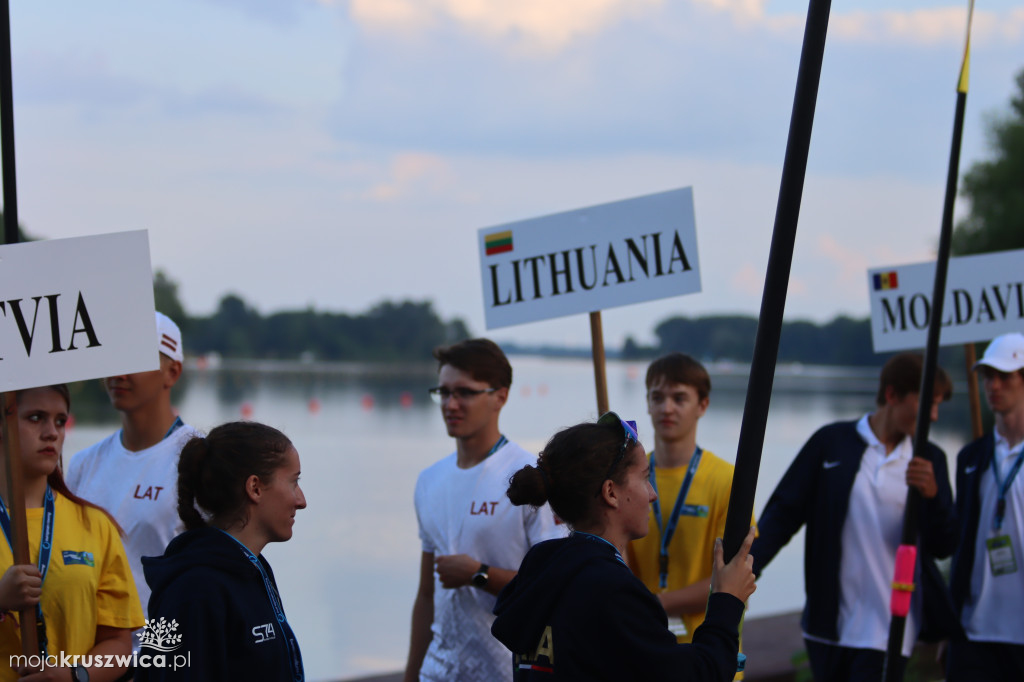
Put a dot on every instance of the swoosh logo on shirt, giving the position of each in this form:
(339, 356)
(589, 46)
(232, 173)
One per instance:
(830, 465)
(970, 469)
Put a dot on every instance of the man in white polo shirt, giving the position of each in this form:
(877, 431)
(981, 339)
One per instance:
(133, 473)
(988, 570)
(848, 485)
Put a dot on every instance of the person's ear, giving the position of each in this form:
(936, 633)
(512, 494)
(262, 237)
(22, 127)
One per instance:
(254, 488)
(610, 493)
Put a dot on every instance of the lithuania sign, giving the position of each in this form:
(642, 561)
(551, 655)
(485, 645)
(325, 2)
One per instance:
(589, 259)
(984, 298)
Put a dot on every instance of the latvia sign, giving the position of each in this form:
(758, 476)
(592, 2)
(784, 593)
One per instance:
(590, 259)
(984, 298)
(75, 309)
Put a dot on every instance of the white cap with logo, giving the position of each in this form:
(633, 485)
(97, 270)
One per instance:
(1005, 353)
(168, 338)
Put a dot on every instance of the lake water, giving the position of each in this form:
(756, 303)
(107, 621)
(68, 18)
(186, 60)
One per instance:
(349, 575)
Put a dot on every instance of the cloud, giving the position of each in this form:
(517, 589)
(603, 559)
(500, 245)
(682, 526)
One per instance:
(556, 25)
(410, 172)
(545, 23)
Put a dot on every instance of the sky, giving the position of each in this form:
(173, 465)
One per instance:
(337, 153)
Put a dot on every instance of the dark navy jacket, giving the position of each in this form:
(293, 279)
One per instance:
(815, 491)
(976, 457)
(218, 600)
(576, 612)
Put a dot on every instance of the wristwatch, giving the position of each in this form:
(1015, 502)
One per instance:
(79, 673)
(479, 578)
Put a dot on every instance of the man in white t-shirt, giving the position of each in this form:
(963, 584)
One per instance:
(133, 473)
(987, 579)
(473, 538)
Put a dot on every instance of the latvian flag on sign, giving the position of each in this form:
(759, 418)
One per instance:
(169, 343)
(499, 242)
(886, 280)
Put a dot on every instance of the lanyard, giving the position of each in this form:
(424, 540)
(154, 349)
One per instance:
(43, 561)
(497, 446)
(295, 659)
(1003, 487)
(601, 539)
(669, 530)
(175, 426)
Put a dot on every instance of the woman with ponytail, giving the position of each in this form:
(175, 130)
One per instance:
(79, 581)
(575, 611)
(215, 613)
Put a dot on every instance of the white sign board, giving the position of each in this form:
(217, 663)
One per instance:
(984, 298)
(589, 259)
(75, 309)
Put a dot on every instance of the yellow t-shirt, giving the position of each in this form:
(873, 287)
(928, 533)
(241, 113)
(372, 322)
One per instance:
(87, 584)
(691, 550)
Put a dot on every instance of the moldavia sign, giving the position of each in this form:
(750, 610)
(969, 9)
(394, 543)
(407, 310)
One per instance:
(590, 259)
(74, 309)
(984, 298)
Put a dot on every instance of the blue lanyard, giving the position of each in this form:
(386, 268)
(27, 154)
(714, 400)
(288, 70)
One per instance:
(175, 426)
(670, 529)
(295, 658)
(497, 446)
(43, 561)
(1003, 487)
(601, 539)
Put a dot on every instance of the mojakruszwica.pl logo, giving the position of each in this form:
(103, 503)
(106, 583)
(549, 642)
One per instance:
(157, 635)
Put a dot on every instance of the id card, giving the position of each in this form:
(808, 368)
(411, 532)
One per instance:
(1000, 555)
(676, 626)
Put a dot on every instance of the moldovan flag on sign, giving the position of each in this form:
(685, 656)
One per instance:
(886, 280)
(499, 242)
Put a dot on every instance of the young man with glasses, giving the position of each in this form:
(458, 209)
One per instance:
(473, 538)
(693, 486)
(988, 568)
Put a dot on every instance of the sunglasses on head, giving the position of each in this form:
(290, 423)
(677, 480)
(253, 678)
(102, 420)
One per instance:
(629, 435)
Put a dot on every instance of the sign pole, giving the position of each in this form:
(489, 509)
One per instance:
(971, 357)
(12, 448)
(597, 350)
(906, 553)
(773, 301)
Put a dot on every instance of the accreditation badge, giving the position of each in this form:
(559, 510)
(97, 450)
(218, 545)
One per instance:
(676, 626)
(1000, 555)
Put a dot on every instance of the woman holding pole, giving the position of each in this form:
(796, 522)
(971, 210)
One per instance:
(575, 611)
(80, 583)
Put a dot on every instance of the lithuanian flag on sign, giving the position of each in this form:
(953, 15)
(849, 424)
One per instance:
(886, 280)
(499, 242)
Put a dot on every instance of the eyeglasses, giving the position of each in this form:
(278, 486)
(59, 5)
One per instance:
(629, 434)
(441, 394)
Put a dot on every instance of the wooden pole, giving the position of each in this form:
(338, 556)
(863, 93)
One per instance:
(971, 357)
(14, 496)
(597, 350)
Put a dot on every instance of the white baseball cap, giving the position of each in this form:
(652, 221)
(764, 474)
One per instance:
(1005, 353)
(168, 338)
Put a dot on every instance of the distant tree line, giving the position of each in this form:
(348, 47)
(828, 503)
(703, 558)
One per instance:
(389, 331)
(843, 341)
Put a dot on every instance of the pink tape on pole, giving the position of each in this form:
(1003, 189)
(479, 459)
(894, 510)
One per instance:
(903, 580)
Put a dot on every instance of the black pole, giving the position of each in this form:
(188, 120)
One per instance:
(903, 580)
(773, 301)
(7, 129)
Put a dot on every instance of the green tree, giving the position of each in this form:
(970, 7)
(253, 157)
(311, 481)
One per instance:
(995, 188)
(165, 298)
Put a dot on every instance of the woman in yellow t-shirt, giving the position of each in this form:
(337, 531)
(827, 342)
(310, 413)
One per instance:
(82, 586)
